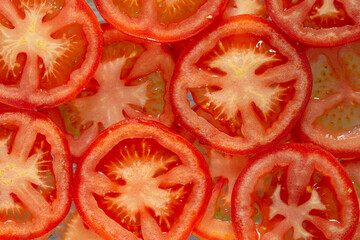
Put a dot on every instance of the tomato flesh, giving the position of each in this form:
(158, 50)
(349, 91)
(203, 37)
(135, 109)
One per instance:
(151, 179)
(134, 76)
(294, 191)
(332, 117)
(33, 197)
(44, 47)
(161, 21)
(352, 167)
(243, 81)
(319, 23)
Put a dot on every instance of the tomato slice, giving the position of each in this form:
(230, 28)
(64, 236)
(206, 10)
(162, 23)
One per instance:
(331, 119)
(249, 77)
(49, 49)
(140, 180)
(320, 23)
(352, 167)
(132, 81)
(294, 191)
(161, 21)
(35, 175)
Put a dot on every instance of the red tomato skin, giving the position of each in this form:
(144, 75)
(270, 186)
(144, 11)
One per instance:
(68, 175)
(303, 148)
(286, 27)
(336, 152)
(107, 132)
(20, 103)
(203, 35)
(144, 34)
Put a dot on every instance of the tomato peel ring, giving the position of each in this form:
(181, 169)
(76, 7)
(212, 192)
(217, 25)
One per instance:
(120, 193)
(297, 190)
(252, 80)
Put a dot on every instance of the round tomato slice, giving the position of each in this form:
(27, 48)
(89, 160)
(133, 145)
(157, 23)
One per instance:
(132, 81)
(294, 191)
(331, 119)
(249, 77)
(320, 23)
(352, 167)
(161, 21)
(140, 180)
(49, 49)
(35, 175)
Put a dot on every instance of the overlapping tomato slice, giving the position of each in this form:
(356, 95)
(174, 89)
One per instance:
(140, 180)
(294, 191)
(249, 77)
(49, 49)
(132, 81)
(35, 175)
(161, 21)
(322, 23)
(331, 119)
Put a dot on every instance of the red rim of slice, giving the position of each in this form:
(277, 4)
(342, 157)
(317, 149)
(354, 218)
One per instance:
(148, 25)
(332, 90)
(37, 76)
(311, 181)
(313, 22)
(89, 182)
(188, 76)
(40, 155)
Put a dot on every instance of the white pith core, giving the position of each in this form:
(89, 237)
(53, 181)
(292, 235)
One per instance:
(239, 85)
(256, 7)
(295, 215)
(112, 96)
(327, 9)
(142, 188)
(15, 174)
(31, 37)
(75, 229)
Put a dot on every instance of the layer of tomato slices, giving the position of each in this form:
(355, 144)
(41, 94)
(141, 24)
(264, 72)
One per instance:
(253, 81)
(132, 81)
(331, 119)
(294, 191)
(140, 180)
(321, 23)
(35, 175)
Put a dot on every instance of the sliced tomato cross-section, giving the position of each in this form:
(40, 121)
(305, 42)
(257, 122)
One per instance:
(332, 117)
(249, 77)
(294, 191)
(140, 180)
(322, 23)
(132, 81)
(49, 49)
(35, 175)
(161, 21)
